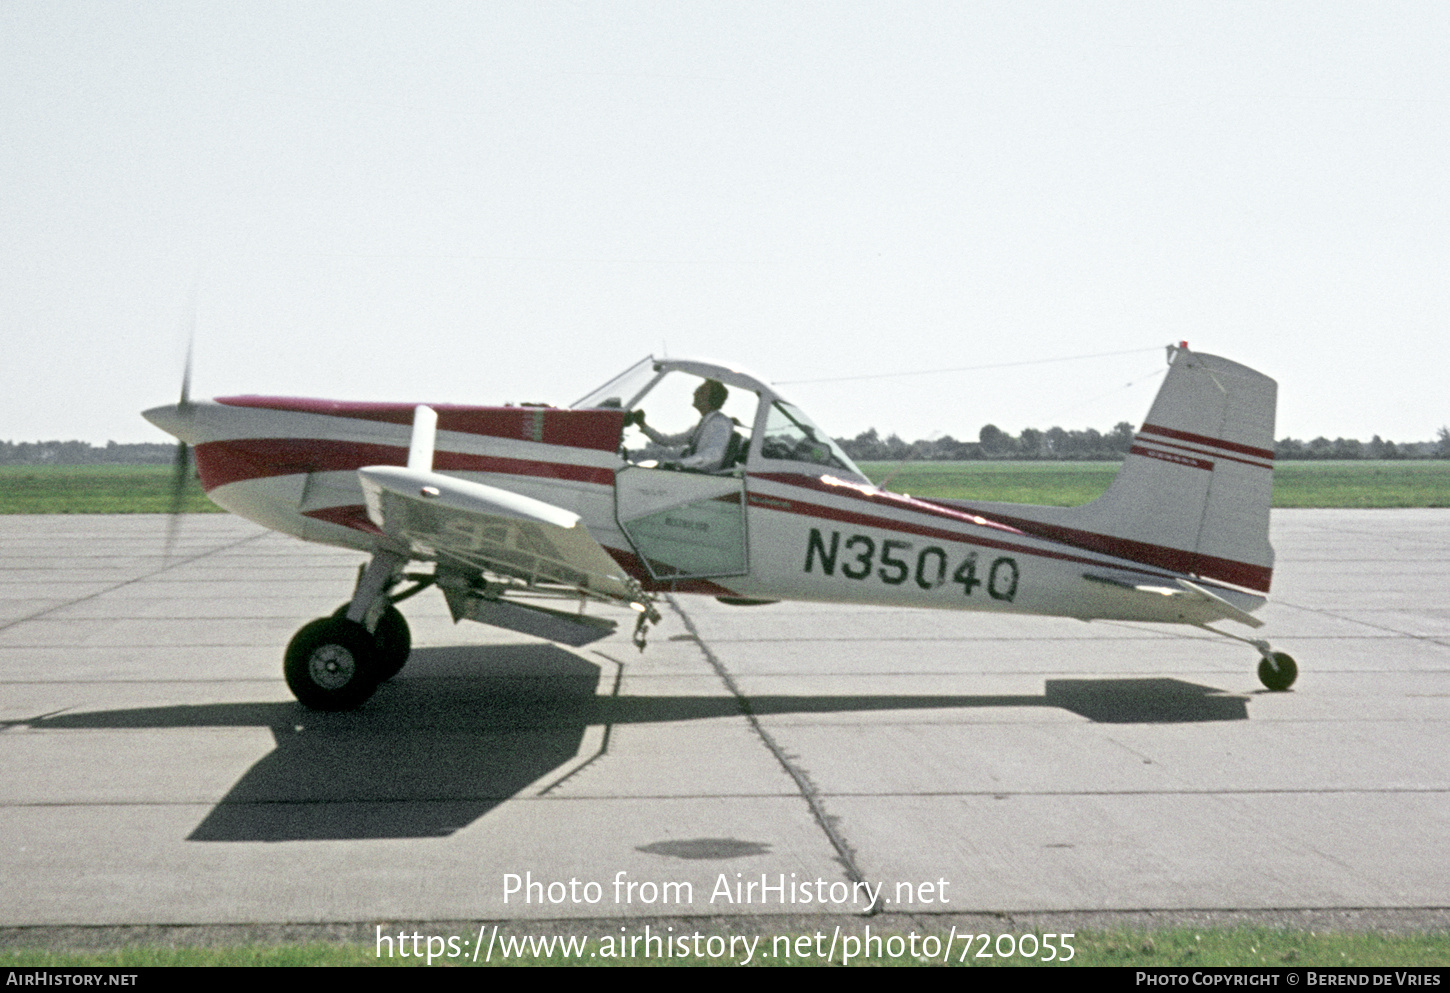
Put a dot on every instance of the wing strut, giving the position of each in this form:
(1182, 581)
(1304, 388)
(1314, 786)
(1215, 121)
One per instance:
(425, 437)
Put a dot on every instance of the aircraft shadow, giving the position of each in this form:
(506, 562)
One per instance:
(464, 729)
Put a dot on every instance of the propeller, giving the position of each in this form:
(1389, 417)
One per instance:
(181, 461)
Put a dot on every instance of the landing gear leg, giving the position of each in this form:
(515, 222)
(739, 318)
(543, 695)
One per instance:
(395, 641)
(1277, 670)
(373, 609)
(369, 599)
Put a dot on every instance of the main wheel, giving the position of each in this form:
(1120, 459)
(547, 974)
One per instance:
(393, 640)
(1278, 671)
(332, 664)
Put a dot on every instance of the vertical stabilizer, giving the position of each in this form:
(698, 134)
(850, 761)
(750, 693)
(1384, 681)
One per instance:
(1194, 491)
(1200, 475)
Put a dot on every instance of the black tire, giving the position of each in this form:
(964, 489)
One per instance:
(331, 664)
(1278, 671)
(394, 642)
(393, 639)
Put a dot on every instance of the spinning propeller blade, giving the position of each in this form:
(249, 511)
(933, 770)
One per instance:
(181, 461)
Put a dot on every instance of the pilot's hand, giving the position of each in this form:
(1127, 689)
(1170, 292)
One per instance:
(634, 417)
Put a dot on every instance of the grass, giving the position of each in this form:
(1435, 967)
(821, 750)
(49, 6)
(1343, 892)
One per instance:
(1168, 948)
(1058, 484)
(1422, 483)
(95, 489)
(146, 489)
(1419, 483)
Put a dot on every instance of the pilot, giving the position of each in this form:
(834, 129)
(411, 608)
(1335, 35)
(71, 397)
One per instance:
(709, 441)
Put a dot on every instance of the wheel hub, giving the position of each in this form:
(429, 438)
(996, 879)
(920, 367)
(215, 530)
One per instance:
(332, 667)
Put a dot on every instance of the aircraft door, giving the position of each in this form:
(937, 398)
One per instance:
(683, 525)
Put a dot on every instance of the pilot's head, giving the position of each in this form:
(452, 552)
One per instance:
(710, 395)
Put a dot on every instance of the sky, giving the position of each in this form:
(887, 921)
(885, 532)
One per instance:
(489, 202)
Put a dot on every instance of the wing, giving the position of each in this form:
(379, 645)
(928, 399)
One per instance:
(448, 519)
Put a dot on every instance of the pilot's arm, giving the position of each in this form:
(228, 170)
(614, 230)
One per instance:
(636, 417)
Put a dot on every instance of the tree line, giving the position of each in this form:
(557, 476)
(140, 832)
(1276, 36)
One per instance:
(84, 453)
(1091, 445)
(1054, 444)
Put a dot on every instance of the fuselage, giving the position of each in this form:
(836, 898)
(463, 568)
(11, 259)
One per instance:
(806, 533)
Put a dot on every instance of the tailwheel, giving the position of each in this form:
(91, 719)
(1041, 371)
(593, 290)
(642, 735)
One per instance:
(332, 664)
(1277, 671)
(393, 640)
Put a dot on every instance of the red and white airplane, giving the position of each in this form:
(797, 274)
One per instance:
(513, 504)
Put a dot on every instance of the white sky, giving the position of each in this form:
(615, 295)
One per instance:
(483, 202)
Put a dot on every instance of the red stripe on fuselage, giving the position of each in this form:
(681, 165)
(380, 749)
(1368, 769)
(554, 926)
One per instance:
(222, 462)
(594, 429)
(1245, 574)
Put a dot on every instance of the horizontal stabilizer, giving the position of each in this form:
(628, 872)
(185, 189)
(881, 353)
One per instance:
(1230, 612)
(1182, 601)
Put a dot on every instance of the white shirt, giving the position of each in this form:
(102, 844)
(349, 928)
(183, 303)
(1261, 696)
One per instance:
(707, 444)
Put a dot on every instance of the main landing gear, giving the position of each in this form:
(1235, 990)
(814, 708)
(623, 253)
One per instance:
(337, 662)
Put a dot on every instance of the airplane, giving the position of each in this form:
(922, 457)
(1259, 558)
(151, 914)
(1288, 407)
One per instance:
(520, 506)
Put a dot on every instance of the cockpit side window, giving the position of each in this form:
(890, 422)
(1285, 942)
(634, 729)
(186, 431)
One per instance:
(677, 429)
(790, 436)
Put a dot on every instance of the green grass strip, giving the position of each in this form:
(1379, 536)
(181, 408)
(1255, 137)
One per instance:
(95, 489)
(1179, 947)
(1422, 483)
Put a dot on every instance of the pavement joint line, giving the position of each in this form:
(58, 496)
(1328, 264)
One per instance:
(1390, 632)
(844, 854)
(170, 564)
(632, 797)
(1432, 639)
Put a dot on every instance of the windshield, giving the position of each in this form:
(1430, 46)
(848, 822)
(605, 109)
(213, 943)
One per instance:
(622, 390)
(790, 436)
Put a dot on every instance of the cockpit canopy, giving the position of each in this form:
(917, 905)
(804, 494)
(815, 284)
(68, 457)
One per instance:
(775, 435)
